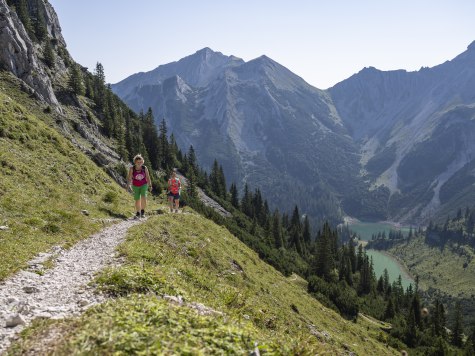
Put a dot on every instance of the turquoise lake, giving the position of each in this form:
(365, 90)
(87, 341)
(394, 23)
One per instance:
(380, 260)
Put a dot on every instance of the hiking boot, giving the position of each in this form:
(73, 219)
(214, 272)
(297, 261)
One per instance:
(136, 217)
(176, 210)
(142, 216)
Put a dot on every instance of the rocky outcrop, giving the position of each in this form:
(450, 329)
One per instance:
(19, 55)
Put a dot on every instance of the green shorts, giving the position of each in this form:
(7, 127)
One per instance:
(140, 191)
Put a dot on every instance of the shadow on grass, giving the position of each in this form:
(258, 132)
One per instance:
(114, 214)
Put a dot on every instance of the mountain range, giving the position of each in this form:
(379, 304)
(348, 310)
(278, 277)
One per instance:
(379, 145)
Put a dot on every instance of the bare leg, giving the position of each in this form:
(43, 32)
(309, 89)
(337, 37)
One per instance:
(170, 201)
(144, 202)
(177, 204)
(137, 206)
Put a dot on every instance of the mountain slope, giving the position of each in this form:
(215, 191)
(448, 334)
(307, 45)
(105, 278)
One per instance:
(378, 145)
(416, 132)
(45, 182)
(230, 301)
(268, 128)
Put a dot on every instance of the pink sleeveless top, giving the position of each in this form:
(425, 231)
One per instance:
(138, 177)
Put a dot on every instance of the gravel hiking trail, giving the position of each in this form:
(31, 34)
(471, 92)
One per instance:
(61, 291)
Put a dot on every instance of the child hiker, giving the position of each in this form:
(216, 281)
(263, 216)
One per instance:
(174, 188)
(139, 181)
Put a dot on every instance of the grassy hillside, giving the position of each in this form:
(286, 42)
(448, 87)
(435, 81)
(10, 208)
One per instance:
(249, 304)
(447, 272)
(45, 183)
(443, 267)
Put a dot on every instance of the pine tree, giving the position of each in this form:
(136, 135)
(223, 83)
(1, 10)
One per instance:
(150, 138)
(191, 189)
(277, 230)
(164, 148)
(389, 312)
(416, 306)
(41, 32)
(246, 201)
(48, 54)
(457, 328)
(359, 258)
(352, 255)
(75, 81)
(296, 232)
(88, 83)
(22, 11)
(99, 87)
(411, 334)
(193, 165)
(306, 235)
(214, 178)
(324, 257)
(234, 196)
(222, 182)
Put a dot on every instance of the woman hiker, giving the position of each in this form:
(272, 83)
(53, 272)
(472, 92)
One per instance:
(174, 188)
(139, 181)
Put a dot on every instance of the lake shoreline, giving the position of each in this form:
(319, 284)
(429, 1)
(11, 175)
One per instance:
(402, 266)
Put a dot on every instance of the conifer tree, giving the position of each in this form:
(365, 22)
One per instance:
(411, 334)
(306, 235)
(221, 182)
(48, 54)
(99, 87)
(457, 328)
(359, 258)
(192, 159)
(389, 312)
(88, 84)
(41, 32)
(324, 257)
(191, 189)
(22, 12)
(277, 230)
(214, 178)
(164, 151)
(246, 201)
(352, 255)
(234, 196)
(75, 81)
(150, 138)
(173, 151)
(296, 232)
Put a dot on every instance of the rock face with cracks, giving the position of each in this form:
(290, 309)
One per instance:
(20, 55)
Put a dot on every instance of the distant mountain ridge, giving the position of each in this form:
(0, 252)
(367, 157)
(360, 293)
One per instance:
(357, 148)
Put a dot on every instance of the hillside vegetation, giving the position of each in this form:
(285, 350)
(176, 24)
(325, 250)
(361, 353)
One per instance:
(46, 183)
(189, 286)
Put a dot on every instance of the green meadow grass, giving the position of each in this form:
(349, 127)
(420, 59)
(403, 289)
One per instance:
(189, 256)
(45, 183)
(449, 269)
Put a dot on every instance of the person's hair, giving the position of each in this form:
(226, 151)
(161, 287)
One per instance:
(137, 157)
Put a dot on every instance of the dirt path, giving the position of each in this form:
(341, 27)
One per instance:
(61, 291)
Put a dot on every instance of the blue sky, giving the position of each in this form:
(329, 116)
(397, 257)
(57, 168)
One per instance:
(324, 42)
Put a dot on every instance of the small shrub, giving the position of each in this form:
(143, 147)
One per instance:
(110, 197)
(126, 280)
(51, 228)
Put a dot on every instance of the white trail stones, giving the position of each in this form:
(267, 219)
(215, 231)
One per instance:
(62, 291)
